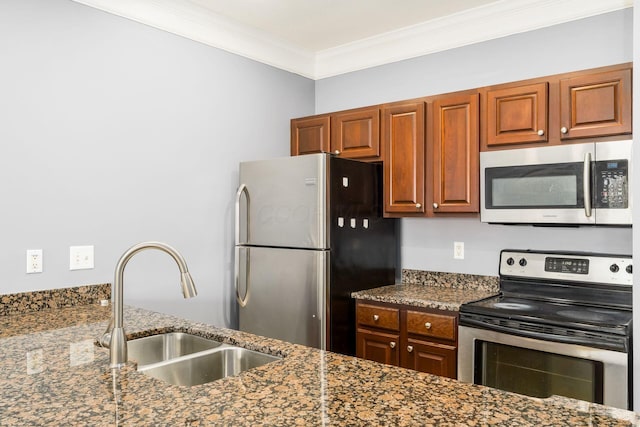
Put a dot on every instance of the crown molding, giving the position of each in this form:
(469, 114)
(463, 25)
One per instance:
(499, 19)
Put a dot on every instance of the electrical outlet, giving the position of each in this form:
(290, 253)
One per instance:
(458, 250)
(34, 261)
(80, 257)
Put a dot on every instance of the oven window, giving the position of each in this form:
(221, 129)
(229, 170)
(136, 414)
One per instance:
(536, 373)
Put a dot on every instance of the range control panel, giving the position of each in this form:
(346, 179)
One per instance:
(580, 267)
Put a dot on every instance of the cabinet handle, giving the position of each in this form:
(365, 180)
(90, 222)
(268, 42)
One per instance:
(409, 348)
(435, 206)
(427, 325)
(392, 344)
(336, 152)
(376, 317)
(564, 129)
(540, 132)
(418, 205)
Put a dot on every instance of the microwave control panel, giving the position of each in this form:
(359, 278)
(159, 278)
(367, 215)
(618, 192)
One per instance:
(611, 184)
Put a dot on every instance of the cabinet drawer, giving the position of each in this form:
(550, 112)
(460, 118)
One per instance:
(380, 317)
(431, 325)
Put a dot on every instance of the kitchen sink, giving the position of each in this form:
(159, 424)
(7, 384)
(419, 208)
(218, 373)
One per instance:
(209, 366)
(162, 347)
(185, 359)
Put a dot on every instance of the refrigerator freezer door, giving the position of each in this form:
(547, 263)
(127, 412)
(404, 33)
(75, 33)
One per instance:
(282, 293)
(282, 202)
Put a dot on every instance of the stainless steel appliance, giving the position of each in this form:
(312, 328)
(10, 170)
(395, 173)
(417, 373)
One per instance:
(560, 326)
(586, 183)
(309, 231)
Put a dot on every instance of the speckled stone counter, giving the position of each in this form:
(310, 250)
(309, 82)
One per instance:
(443, 291)
(52, 374)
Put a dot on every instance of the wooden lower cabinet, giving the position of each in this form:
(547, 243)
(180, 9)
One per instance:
(407, 336)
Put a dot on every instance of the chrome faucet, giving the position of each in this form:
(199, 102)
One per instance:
(114, 337)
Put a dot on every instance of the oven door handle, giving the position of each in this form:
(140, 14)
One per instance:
(586, 184)
(618, 345)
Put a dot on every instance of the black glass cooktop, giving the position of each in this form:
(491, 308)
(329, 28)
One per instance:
(546, 312)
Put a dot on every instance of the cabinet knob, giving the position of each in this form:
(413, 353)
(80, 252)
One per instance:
(376, 317)
(427, 325)
(336, 152)
(392, 344)
(409, 348)
(564, 129)
(418, 205)
(540, 132)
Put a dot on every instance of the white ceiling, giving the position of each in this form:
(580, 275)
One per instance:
(323, 38)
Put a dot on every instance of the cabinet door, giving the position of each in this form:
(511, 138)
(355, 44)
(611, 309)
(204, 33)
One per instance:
(377, 346)
(310, 135)
(517, 115)
(595, 105)
(432, 358)
(404, 163)
(456, 150)
(356, 134)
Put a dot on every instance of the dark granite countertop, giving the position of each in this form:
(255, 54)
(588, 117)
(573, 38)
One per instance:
(442, 291)
(52, 374)
(423, 295)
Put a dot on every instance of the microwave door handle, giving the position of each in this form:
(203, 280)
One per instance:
(586, 184)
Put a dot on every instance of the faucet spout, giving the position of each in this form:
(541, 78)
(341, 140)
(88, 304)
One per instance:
(115, 335)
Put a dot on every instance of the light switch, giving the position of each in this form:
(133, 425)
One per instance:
(80, 257)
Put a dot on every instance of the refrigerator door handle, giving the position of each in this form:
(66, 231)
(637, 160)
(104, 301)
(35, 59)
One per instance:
(241, 301)
(242, 189)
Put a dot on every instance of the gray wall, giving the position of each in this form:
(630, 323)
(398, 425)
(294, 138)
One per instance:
(427, 243)
(112, 133)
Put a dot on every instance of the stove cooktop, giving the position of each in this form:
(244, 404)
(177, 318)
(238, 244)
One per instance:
(553, 313)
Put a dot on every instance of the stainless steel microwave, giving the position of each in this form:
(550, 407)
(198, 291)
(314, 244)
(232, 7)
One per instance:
(585, 183)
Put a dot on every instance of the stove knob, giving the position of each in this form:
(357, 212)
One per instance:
(614, 268)
(522, 262)
(629, 269)
(510, 261)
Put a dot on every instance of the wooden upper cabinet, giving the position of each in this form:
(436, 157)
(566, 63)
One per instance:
(517, 115)
(595, 105)
(355, 134)
(310, 135)
(455, 151)
(404, 159)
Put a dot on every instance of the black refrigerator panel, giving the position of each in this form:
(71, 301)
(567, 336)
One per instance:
(363, 245)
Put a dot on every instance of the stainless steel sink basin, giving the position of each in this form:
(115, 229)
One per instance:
(162, 347)
(209, 366)
(185, 359)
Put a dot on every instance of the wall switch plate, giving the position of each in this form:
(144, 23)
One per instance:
(80, 257)
(458, 250)
(34, 261)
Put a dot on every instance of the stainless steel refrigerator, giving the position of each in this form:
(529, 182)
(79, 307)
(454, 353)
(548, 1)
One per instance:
(309, 231)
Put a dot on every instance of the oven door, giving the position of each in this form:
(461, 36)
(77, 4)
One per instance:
(541, 368)
(537, 185)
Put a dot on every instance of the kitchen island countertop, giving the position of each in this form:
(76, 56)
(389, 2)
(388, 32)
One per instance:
(54, 375)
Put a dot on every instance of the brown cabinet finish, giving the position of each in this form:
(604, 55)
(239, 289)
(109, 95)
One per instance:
(379, 317)
(455, 148)
(421, 339)
(355, 134)
(378, 346)
(433, 358)
(310, 135)
(517, 115)
(560, 109)
(431, 325)
(595, 105)
(404, 159)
